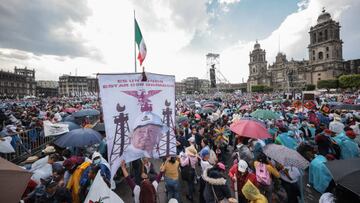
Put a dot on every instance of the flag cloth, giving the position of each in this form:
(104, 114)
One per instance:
(100, 192)
(140, 43)
(52, 129)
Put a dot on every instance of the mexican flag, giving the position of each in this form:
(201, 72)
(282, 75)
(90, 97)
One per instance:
(140, 43)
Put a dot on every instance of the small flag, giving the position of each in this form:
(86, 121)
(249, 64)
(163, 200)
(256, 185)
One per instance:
(309, 105)
(140, 43)
(325, 109)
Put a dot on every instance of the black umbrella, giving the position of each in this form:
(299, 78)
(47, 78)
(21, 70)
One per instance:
(346, 173)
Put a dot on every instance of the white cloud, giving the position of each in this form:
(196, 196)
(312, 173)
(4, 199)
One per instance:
(168, 27)
(228, 1)
(294, 37)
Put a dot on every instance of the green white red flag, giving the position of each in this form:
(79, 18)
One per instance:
(140, 43)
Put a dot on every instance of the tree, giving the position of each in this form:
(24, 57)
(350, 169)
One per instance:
(261, 88)
(309, 87)
(350, 81)
(327, 84)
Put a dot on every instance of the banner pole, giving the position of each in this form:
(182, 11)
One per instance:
(135, 42)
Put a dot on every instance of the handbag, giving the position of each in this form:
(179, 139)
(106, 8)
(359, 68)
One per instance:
(216, 198)
(188, 172)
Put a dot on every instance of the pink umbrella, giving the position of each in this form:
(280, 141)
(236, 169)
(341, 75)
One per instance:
(70, 110)
(245, 107)
(250, 128)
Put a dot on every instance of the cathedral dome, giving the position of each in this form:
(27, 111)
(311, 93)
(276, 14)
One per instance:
(324, 17)
(257, 45)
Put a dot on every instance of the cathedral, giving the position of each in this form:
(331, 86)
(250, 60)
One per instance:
(325, 61)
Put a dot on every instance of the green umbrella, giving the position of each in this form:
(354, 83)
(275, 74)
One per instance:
(182, 119)
(264, 114)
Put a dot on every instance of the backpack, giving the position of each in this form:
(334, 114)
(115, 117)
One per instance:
(188, 172)
(262, 174)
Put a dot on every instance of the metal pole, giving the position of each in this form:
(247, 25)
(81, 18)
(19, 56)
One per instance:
(135, 43)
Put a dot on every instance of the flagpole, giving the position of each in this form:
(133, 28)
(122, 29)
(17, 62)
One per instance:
(135, 43)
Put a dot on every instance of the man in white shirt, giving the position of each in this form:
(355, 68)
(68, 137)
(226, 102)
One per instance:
(336, 125)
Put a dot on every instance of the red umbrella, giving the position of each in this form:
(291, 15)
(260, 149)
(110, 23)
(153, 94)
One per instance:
(245, 107)
(70, 110)
(250, 128)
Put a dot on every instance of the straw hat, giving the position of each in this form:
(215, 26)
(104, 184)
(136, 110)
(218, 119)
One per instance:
(191, 151)
(31, 159)
(49, 150)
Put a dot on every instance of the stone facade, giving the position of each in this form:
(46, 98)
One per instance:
(77, 85)
(325, 61)
(18, 84)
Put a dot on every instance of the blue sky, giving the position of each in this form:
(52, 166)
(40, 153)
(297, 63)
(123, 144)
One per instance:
(95, 36)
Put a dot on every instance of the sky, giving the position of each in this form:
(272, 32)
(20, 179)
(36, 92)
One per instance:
(86, 37)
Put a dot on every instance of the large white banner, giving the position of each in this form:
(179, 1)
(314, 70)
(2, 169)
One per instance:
(139, 116)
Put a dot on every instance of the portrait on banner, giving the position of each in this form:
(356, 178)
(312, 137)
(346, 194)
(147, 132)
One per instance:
(139, 116)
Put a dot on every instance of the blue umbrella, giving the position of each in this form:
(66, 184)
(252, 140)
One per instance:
(72, 126)
(69, 119)
(79, 138)
(86, 112)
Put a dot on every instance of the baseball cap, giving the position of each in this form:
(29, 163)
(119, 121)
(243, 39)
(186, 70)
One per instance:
(204, 152)
(191, 139)
(242, 166)
(146, 118)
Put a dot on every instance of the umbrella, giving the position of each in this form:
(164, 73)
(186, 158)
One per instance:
(69, 119)
(13, 180)
(100, 127)
(86, 112)
(70, 110)
(264, 114)
(245, 107)
(78, 138)
(182, 119)
(346, 173)
(250, 128)
(72, 126)
(285, 156)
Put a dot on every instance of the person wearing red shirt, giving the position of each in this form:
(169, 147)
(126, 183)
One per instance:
(239, 173)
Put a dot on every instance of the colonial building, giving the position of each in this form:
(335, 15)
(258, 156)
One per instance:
(325, 61)
(77, 85)
(20, 83)
(47, 88)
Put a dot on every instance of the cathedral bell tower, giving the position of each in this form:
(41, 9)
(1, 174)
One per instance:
(325, 43)
(257, 67)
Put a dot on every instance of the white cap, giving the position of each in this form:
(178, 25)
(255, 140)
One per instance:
(191, 139)
(146, 118)
(242, 166)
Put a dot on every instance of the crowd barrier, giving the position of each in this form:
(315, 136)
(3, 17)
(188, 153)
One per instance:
(25, 144)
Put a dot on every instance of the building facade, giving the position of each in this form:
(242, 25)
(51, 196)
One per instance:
(47, 88)
(325, 61)
(18, 84)
(77, 86)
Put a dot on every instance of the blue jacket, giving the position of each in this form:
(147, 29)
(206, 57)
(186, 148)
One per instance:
(288, 141)
(349, 149)
(319, 174)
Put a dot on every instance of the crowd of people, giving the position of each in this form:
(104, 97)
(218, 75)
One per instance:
(215, 163)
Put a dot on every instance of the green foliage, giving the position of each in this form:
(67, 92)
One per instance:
(327, 84)
(350, 81)
(310, 87)
(261, 88)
